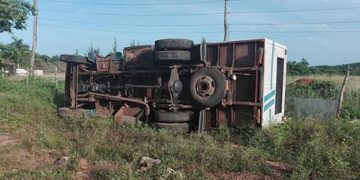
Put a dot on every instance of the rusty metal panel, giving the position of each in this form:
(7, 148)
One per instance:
(246, 87)
(244, 116)
(245, 55)
(212, 55)
(226, 55)
(107, 64)
(67, 98)
(74, 86)
(139, 56)
(224, 117)
(211, 120)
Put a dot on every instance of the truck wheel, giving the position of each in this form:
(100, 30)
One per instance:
(208, 86)
(74, 59)
(173, 44)
(166, 56)
(174, 127)
(173, 117)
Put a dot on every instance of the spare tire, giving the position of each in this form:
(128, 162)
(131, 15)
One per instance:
(208, 86)
(172, 56)
(174, 127)
(173, 117)
(74, 59)
(173, 44)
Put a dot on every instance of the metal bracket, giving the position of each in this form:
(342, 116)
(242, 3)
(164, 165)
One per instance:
(174, 86)
(202, 121)
(203, 52)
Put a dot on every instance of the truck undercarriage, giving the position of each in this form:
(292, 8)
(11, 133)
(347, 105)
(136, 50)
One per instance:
(174, 84)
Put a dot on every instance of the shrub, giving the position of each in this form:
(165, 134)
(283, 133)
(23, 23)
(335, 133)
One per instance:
(322, 149)
(317, 89)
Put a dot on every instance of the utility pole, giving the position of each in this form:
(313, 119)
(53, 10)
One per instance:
(34, 44)
(226, 25)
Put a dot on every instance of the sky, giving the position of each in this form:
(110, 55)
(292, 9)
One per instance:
(68, 25)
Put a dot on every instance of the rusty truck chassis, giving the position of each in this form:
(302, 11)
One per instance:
(137, 86)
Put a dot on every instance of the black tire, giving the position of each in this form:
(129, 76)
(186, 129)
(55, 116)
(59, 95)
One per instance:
(74, 59)
(173, 117)
(219, 87)
(174, 127)
(173, 44)
(166, 56)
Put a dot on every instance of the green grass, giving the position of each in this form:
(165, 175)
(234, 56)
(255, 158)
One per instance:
(328, 150)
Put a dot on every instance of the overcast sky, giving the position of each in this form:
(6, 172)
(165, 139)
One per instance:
(63, 26)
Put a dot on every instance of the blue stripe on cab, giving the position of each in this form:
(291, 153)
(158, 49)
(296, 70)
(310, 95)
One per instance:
(269, 96)
(269, 105)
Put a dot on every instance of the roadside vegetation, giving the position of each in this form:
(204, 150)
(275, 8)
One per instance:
(300, 149)
(303, 68)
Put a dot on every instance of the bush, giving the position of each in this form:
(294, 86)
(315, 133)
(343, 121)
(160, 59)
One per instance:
(323, 149)
(317, 89)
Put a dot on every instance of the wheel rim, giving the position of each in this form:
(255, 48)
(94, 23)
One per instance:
(205, 86)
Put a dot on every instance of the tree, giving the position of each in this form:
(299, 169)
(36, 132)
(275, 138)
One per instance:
(13, 14)
(55, 58)
(43, 57)
(92, 50)
(77, 52)
(118, 55)
(1, 55)
(16, 52)
(298, 68)
(92, 53)
(115, 45)
(132, 44)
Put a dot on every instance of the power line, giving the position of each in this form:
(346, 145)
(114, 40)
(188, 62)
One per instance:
(130, 32)
(140, 4)
(296, 32)
(200, 32)
(301, 23)
(294, 10)
(124, 24)
(202, 14)
(211, 24)
(130, 14)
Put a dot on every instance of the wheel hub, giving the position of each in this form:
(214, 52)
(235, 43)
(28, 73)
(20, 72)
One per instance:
(205, 86)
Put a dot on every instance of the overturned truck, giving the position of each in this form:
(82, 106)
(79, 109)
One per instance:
(181, 86)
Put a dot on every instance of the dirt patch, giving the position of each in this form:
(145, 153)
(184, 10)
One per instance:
(103, 165)
(239, 176)
(14, 157)
(8, 140)
(305, 81)
(25, 160)
(280, 166)
(85, 168)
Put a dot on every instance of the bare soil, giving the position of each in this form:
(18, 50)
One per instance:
(8, 140)
(19, 158)
(239, 176)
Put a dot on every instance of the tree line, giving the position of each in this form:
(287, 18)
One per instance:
(303, 68)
